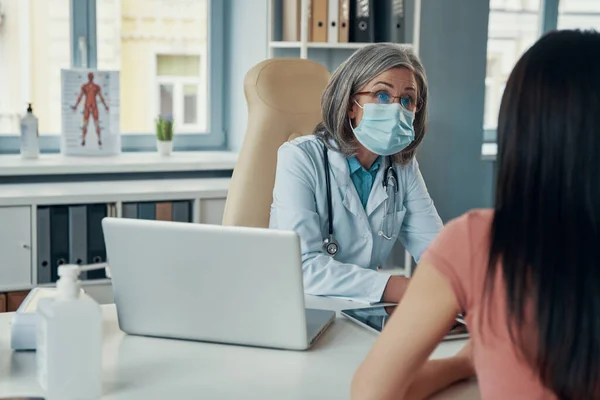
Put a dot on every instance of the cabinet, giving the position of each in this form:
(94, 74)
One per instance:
(211, 211)
(15, 247)
(20, 205)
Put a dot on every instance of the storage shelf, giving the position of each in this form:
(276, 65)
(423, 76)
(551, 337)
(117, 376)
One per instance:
(57, 164)
(111, 191)
(317, 45)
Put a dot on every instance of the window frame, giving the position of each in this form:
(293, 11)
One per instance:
(83, 23)
(548, 21)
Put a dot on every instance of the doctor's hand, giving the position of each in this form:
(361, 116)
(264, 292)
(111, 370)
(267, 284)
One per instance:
(394, 290)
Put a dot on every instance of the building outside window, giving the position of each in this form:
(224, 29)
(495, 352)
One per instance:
(515, 25)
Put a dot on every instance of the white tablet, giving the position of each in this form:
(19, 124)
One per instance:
(375, 318)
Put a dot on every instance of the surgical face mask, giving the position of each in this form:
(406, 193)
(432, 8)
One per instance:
(385, 129)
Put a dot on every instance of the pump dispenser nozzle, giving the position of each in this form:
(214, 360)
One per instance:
(68, 285)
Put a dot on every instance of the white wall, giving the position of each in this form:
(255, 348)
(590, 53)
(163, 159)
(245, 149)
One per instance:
(246, 46)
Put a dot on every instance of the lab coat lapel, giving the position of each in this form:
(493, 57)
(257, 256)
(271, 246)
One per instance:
(378, 193)
(341, 174)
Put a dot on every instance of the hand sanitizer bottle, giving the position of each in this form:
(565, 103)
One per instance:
(30, 144)
(69, 341)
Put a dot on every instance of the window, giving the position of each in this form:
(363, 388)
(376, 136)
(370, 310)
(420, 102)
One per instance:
(34, 46)
(583, 14)
(182, 91)
(160, 47)
(514, 25)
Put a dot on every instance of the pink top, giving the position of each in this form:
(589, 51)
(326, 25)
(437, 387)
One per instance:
(460, 253)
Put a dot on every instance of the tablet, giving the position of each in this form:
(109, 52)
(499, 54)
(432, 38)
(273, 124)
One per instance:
(375, 318)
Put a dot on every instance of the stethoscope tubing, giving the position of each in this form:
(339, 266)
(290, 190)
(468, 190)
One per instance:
(330, 245)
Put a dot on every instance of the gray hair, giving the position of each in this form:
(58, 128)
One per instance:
(362, 67)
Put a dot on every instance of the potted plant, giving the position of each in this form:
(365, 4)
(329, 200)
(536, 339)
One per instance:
(164, 135)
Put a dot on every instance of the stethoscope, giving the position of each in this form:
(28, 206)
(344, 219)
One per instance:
(390, 181)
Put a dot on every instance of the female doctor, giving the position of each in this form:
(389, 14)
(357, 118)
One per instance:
(354, 187)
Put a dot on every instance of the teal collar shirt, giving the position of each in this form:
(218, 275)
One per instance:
(363, 179)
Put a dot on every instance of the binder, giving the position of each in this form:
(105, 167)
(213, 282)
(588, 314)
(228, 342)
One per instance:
(319, 20)
(43, 246)
(333, 17)
(130, 210)
(343, 21)
(182, 211)
(164, 211)
(77, 235)
(292, 14)
(112, 210)
(96, 249)
(362, 21)
(59, 239)
(146, 211)
(389, 17)
(14, 300)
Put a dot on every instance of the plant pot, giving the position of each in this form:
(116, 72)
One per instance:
(164, 147)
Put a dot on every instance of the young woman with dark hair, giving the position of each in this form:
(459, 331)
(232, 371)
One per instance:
(526, 274)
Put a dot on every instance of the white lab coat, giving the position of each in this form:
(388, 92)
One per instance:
(300, 204)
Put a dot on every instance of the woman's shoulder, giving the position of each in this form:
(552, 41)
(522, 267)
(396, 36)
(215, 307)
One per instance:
(303, 155)
(308, 143)
(475, 222)
(307, 146)
(467, 231)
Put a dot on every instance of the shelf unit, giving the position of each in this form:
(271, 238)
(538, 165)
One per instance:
(317, 45)
(19, 204)
(329, 54)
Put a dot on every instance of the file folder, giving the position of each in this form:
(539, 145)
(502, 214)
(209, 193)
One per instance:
(343, 21)
(182, 211)
(319, 20)
(390, 21)
(146, 211)
(112, 210)
(78, 236)
(44, 261)
(95, 244)
(362, 21)
(333, 15)
(130, 210)
(164, 211)
(14, 300)
(59, 239)
(292, 12)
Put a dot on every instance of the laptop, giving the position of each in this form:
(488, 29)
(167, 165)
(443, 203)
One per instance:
(211, 283)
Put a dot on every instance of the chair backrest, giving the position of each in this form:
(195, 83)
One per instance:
(283, 97)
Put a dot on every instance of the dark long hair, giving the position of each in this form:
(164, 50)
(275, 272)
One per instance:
(545, 235)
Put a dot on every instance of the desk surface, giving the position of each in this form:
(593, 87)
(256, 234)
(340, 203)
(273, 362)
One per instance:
(147, 368)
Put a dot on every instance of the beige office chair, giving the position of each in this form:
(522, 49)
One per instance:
(283, 97)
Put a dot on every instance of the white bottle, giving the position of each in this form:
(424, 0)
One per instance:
(69, 341)
(30, 144)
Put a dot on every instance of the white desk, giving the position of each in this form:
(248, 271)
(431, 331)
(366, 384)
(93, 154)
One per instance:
(146, 368)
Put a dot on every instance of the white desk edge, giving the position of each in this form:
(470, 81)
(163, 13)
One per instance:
(142, 368)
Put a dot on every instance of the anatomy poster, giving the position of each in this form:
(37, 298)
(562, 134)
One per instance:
(90, 112)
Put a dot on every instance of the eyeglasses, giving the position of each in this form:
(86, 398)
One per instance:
(406, 100)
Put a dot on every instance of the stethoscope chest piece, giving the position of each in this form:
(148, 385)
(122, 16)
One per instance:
(331, 246)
